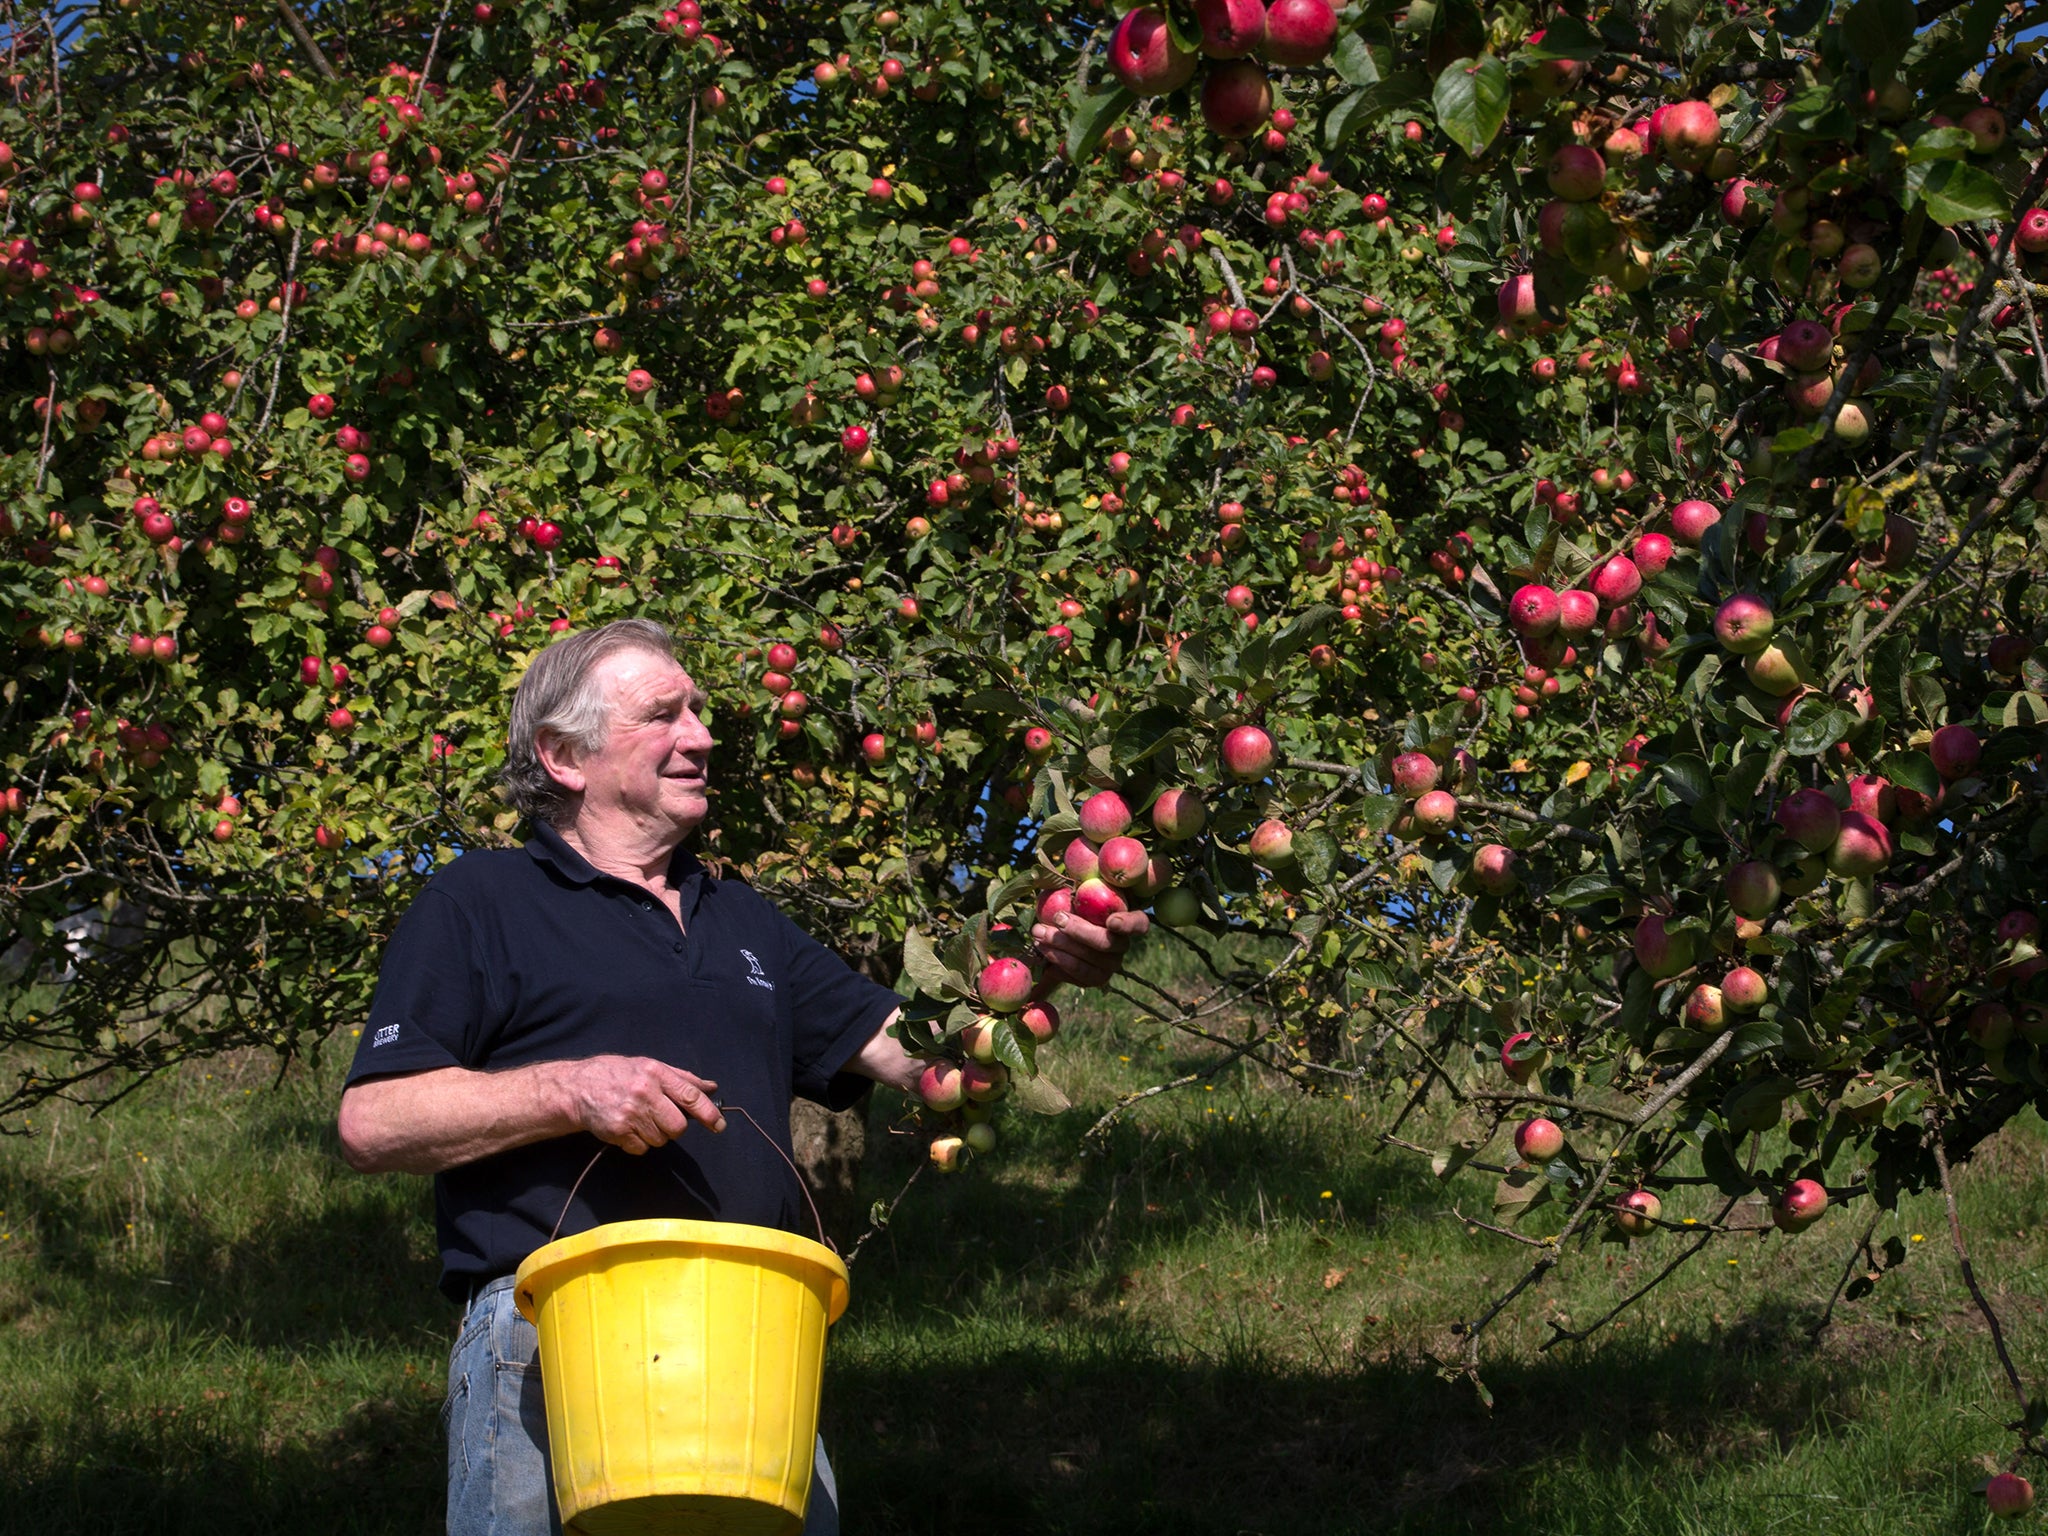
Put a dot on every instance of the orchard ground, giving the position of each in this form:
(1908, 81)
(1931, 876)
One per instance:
(1222, 1323)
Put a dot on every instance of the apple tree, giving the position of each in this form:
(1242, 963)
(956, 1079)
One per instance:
(1534, 510)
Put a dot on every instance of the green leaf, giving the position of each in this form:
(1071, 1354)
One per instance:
(1092, 119)
(1564, 38)
(1353, 60)
(922, 965)
(1880, 32)
(1471, 100)
(1689, 777)
(1915, 770)
(1039, 1096)
(1316, 852)
(1956, 193)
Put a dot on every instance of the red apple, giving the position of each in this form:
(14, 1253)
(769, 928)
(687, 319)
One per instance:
(1743, 624)
(1104, 815)
(1538, 1140)
(1493, 868)
(1179, 813)
(1272, 843)
(1298, 32)
(1802, 1203)
(1415, 775)
(1248, 754)
(1005, 984)
(1236, 98)
(941, 1087)
(1861, 847)
(1123, 862)
(1955, 750)
(1810, 819)
(1744, 990)
(1637, 1211)
(1145, 58)
(1096, 902)
(2008, 1495)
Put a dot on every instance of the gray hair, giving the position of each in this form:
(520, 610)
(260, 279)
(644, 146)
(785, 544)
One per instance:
(558, 695)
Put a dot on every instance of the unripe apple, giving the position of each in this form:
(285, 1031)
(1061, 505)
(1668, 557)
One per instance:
(1538, 1140)
(1104, 815)
(2008, 1495)
(1660, 952)
(1861, 847)
(1096, 901)
(1436, 812)
(1493, 868)
(1990, 1025)
(1415, 775)
(1743, 624)
(1637, 1211)
(980, 1137)
(947, 1152)
(1744, 990)
(941, 1087)
(1810, 819)
(1178, 908)
(1123, 862)
(1773, 670)
(1802, 1203)
(1248, 754)
(1955, 750)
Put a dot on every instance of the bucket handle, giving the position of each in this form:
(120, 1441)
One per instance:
(802, 1187)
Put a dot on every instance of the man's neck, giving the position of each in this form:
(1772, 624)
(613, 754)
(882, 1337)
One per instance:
(625, 853)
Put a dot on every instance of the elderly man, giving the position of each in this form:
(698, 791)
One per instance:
(598, 987)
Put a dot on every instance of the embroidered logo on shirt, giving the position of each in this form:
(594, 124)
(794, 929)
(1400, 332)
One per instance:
(384, 1036)
(758, 977)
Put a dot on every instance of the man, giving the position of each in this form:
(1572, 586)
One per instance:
(597, 988)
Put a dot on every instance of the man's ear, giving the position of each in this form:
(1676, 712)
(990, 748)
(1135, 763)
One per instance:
(562, 761)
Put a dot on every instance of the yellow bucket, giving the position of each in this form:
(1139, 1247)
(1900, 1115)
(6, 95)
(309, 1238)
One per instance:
(681, 1363)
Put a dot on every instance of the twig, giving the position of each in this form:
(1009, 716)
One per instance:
(1932, 1118)
(291, 272)
(49, 416)
(304, 39)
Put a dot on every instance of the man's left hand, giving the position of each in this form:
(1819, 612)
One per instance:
(1084, 953)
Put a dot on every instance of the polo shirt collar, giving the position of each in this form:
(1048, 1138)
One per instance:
(547, 846)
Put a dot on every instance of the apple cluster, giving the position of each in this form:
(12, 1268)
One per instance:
(1239, 39)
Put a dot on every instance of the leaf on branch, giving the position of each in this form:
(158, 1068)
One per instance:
(1092, 119)
(1520, 1191)
(1039, 1095)
(1955, 193)
(922, 965)
(1471, 100)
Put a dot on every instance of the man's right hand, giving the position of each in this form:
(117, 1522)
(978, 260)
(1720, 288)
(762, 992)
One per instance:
(637, 1103)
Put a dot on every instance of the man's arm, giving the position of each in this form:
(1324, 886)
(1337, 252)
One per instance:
(424, 1122)
(884, 1059)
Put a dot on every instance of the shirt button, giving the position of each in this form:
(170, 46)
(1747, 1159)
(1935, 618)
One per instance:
(646, 906)
(679, 949)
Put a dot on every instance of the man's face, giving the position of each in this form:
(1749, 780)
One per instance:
(651, 769)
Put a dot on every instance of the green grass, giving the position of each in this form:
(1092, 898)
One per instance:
(1223, 1323)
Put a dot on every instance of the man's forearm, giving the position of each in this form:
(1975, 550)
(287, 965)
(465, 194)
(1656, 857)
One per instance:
(425, 1122)
(884, 1059)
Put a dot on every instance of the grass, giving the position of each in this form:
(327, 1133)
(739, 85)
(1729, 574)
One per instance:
(1223, 1323)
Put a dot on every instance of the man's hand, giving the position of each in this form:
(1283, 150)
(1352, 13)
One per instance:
(636, 1103)
(1084, 953)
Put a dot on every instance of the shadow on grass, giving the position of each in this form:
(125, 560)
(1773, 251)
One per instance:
(1116, 1435)
(355, 1271)
(169, 1472)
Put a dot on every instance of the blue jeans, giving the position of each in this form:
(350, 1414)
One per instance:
(499, 1480)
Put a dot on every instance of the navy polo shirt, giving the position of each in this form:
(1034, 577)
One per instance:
(512, 956)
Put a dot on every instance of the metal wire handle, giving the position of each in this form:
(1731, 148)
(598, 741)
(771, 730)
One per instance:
(802, 1185)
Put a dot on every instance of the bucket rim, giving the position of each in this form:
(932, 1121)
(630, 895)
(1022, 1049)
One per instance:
(732, 1238)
